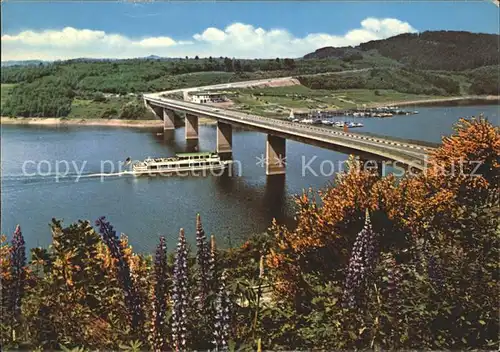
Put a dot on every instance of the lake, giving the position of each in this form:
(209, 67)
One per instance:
(231, 206)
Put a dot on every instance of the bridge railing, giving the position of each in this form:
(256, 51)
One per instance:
(405, 141)
(240, 115)
(400, 139)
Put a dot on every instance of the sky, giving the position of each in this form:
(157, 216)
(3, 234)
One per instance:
(124, 29)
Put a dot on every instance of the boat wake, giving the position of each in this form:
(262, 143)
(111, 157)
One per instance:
(8, 179)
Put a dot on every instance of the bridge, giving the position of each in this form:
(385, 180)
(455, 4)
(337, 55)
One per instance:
(376, 149)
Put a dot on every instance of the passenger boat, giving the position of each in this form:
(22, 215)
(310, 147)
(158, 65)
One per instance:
(181, 163)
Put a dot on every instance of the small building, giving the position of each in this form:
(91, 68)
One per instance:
(207, 97)
(301, 114)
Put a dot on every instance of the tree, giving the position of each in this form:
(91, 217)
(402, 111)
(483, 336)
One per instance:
(98, 97)
(228, 64)
(237, 66)
(289, 64)
(431, 255)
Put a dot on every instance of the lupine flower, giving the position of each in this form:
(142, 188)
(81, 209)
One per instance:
(18, 270)
(360, 264)
(212, 263)
(160, 297)
(394, 277)
(132, 300)
(222, 316)
(202, 258)
(180, 295)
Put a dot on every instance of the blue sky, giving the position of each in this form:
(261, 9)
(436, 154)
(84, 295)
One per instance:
(121, 29)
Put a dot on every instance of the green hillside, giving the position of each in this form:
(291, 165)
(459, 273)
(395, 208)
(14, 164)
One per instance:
(401, 80)
(113, 88)
(431, 50)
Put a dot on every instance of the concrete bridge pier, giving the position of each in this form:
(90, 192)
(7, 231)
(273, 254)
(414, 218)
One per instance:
(156, 110)
(275, 155)
(191, 126)
(224, 140)
(168, 119)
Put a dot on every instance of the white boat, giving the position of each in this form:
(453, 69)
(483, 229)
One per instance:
(182, 163)
(352, 124)
(327, 122)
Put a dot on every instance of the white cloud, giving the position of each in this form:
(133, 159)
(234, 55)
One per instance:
(236, 40)
(157, 42)
(211, 35)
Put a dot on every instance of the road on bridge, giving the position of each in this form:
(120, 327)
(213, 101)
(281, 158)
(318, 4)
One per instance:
(412, 154)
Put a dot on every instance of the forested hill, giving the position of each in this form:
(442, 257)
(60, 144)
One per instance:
(432, 63)
(431, 50)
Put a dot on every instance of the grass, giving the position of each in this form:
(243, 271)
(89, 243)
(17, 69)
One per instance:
(279, 101)
(368, 96)
(89, 109)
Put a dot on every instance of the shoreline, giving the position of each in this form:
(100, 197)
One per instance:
(489, 99)
(60, 121)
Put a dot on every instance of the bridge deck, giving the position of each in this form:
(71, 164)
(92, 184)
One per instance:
(409, 153)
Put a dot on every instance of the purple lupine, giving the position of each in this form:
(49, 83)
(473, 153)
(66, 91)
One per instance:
(222, 316)
(18, 271)
(360, 264)
(394, 277)
(159, 341)
(202, 258)
(180, 295)
(132, 300)
(212, 264)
